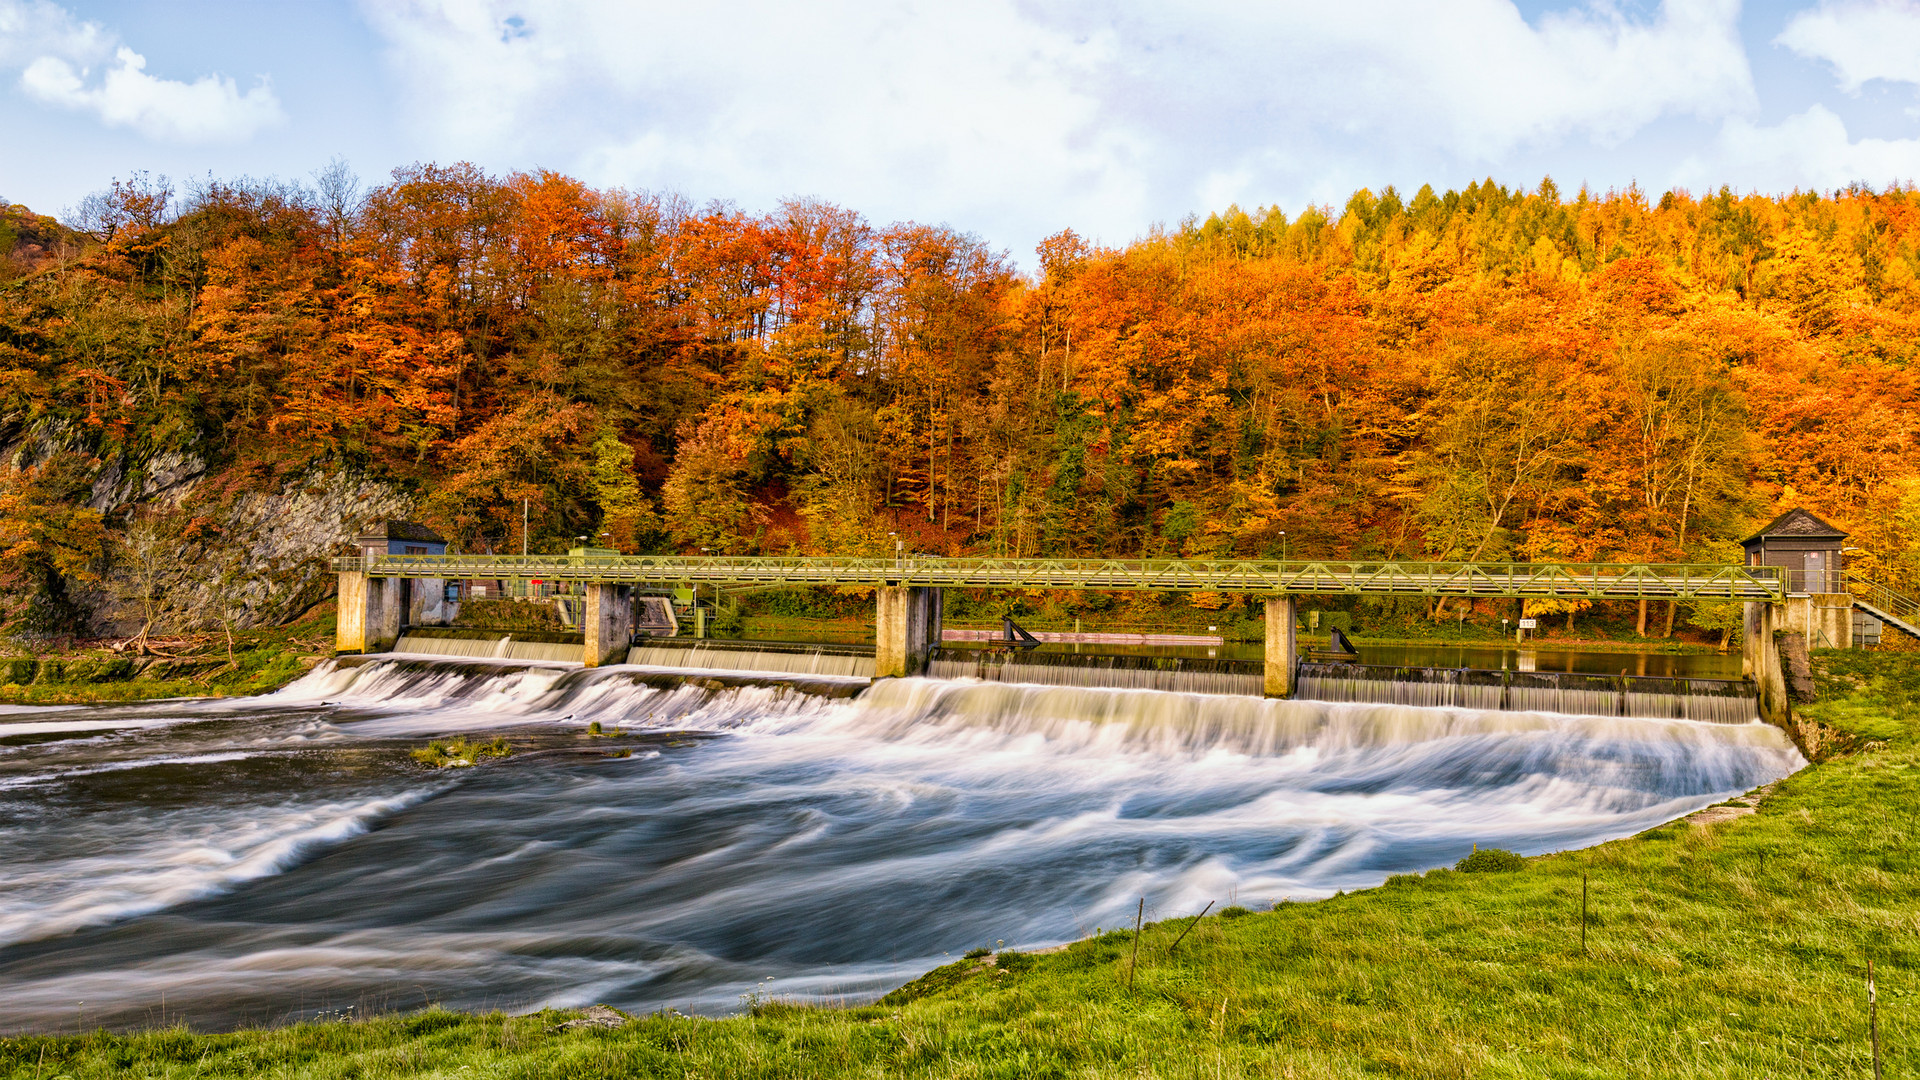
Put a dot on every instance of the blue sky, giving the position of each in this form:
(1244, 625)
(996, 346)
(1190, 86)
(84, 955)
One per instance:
(1004, 118)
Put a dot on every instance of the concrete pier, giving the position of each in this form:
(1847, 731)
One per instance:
(906, 627)
(1282, 647)
(371, 612)
(608, 624)
(1760, 658)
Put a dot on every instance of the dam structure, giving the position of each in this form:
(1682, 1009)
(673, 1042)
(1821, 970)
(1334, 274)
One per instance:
(383, 596)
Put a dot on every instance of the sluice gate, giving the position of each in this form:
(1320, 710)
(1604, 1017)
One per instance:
(787, 658)
(1722, 701)
(545, 647)
(1179, 674)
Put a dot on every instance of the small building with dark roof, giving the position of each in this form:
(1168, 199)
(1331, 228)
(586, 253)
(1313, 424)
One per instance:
(1812, 554)
(1807, 548)
(401, 538)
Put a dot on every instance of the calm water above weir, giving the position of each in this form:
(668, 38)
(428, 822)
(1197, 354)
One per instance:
(282, 857)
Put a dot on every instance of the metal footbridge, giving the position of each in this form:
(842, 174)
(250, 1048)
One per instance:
(1583, 581)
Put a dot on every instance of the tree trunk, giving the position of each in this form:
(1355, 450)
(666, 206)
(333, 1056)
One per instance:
(1672, 607)
(1641, 627)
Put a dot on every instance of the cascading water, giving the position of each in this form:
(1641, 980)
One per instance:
(255, 860)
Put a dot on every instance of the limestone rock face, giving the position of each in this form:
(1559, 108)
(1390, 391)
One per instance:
(271, 548)
(270, 551)
(168, 477)
(290, 537)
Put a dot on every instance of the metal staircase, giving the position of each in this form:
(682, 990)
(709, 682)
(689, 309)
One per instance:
(1897, 611)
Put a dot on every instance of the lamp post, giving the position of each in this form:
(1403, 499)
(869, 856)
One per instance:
(1283, 545)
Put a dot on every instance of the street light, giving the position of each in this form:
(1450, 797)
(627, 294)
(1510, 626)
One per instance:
(1283, 545)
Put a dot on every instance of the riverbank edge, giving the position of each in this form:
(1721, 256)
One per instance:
(261, 662)
(1729, 943)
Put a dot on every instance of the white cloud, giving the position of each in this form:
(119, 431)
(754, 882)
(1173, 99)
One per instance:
(77, 65)
(29, 28)
(1809, 151)
(935, 109)
(1863, 41)
(1021, 118)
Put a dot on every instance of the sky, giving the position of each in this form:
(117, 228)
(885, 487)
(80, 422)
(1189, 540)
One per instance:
(1007, 119)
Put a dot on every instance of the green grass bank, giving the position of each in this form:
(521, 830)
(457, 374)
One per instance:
(262, 660)
(1727, 948)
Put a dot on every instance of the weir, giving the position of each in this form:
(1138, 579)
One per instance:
(1179, 674)
(1723, 701)
(378, 593)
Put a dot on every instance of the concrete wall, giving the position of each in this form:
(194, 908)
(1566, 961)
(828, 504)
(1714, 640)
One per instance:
(427, 603)
(906, 626)
(608, 624)
(1282, 647)
(370, 613)
(1760, 658)
(1826, 619)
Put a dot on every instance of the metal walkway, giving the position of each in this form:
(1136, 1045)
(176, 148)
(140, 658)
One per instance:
(1901, 612)
(1586, 581)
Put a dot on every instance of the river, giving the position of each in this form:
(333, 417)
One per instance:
(276, 858)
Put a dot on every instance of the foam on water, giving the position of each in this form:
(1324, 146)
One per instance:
(286, 856)
(182, 857)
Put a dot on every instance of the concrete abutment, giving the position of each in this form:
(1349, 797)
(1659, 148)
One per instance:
(608, 624)
(1282, 652)
(906, 628)
(1760, 657)
(371, 611)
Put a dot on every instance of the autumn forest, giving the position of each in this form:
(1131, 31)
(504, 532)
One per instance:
(1486, 374)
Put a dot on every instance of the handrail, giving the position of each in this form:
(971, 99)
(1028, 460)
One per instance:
(1899, 606)
(1597, 581)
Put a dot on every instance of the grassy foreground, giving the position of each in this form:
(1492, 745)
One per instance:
(1731, 949)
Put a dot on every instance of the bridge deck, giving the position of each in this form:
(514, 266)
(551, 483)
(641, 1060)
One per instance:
(1588, 581)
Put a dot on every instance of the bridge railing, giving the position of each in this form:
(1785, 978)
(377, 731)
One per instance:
(1596, 581)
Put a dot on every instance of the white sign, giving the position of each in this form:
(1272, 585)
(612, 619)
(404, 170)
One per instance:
(1529, 624)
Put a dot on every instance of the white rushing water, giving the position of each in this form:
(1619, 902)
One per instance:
(257, 860)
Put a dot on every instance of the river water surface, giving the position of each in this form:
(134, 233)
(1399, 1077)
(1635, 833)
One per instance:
(275, 858)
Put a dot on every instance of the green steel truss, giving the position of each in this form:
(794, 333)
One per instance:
(1586, 581)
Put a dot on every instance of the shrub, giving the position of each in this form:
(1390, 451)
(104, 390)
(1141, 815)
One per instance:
(441, 753)
(975, 954)
(1491, 861)
(1233, 912)
(1014, 962)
